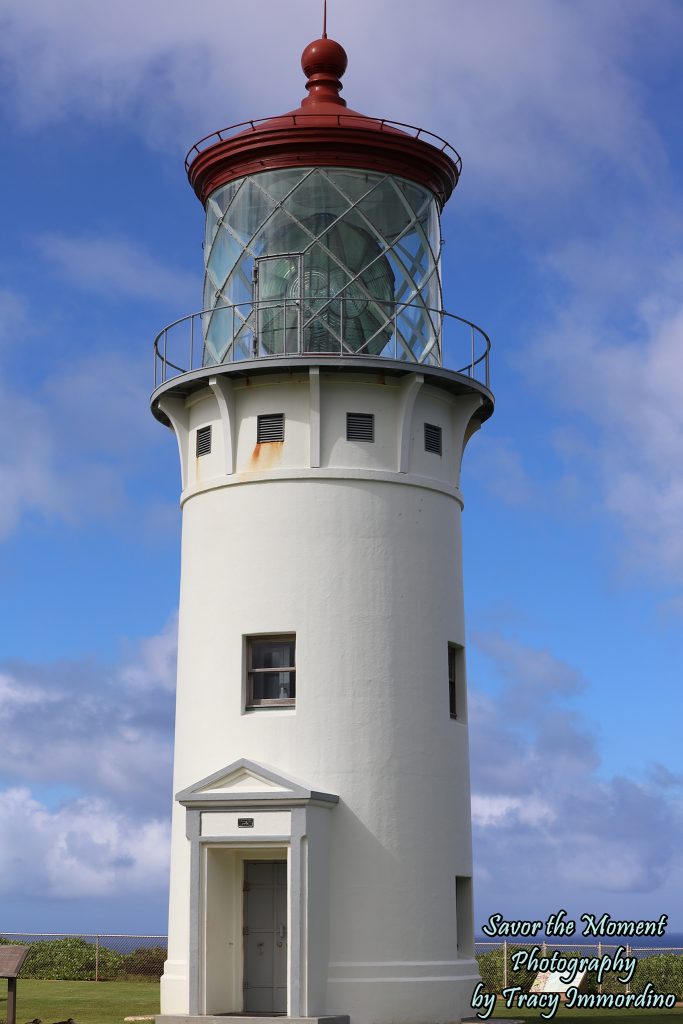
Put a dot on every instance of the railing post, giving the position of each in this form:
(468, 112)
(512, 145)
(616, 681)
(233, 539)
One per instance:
(97, 958)
(192, 342)
(472, 362)
(163, 375)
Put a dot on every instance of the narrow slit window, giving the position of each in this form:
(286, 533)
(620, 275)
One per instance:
(433, 439)
(464, 918)
(270, 427)
(360, 426)
(203, 440)
(457, 693)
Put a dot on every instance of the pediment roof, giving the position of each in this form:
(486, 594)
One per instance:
(248, 782)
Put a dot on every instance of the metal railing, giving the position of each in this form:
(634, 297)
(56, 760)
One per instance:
(62, 956)
(340, 120)
(283, 328)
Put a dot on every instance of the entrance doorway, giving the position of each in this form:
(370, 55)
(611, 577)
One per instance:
(265, 936)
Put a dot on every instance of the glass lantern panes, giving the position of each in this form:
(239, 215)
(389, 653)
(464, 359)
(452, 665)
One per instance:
(322, 260)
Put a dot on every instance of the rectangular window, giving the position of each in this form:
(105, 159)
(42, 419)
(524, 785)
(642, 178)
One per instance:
(203, 441)
(432, 439)
(457, 696)
(270, 427)
(360, 426)
(271, 672)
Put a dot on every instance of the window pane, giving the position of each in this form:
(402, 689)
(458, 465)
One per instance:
(272, 653)
(273, 685)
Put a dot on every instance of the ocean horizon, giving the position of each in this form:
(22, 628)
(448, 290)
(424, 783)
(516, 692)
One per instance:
(670, 940)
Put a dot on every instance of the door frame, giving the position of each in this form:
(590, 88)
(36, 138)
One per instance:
(273, 303)
(275, 815)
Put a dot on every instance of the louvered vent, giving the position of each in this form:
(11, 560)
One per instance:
(360, 426)
(204, 440)
(432, 439)
(270, 427)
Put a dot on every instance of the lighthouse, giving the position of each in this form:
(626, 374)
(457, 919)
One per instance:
(321, 862)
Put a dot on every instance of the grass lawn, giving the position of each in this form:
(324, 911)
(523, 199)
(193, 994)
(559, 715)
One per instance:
(674, 1016)
(88, 1002)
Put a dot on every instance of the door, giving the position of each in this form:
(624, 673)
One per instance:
(265, 936)
(277, 287)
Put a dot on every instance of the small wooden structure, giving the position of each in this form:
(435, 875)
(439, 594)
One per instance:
(11, 961)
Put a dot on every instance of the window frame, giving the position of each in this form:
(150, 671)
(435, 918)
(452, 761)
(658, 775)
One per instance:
(252, 703)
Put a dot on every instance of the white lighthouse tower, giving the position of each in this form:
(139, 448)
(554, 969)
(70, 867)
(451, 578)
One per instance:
(321, 855)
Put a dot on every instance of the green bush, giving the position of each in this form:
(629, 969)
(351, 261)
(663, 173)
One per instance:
(491, 970)
(664, 971)
(145, 962)
(71, 959)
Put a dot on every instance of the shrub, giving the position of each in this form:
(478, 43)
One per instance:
(145, 962)
(491, 970)
(664, 971)
(71, 959)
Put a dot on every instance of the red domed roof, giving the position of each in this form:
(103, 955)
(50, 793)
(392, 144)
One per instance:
(323, 132)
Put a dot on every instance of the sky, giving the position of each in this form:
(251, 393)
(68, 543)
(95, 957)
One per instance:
(563, 241)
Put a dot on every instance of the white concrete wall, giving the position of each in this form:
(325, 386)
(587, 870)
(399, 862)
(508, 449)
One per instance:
(363, 563)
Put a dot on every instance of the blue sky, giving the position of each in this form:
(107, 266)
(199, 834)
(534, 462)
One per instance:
(563, 240)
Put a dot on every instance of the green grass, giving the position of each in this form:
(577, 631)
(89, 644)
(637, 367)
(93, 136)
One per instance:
(674, 1016)
(88, 1002)
(108, 1002)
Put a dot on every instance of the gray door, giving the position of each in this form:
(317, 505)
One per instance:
(265, 936)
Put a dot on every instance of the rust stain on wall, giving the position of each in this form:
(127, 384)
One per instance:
(266, 455)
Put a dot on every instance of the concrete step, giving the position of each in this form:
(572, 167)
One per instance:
(242, 1018)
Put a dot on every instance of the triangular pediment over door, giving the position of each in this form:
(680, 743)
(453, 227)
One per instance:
(248, 782)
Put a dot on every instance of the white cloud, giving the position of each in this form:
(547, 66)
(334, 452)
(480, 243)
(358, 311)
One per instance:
(87, 848)
(29, 476)
(14, 320)
(531, 92)
(547, 826)
(155, 665)
(77, 442)
(107, 732)
(116, 267)
(106, 735)
(622, 385)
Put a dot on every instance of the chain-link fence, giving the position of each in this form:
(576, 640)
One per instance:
(662, 967)
(63, 957)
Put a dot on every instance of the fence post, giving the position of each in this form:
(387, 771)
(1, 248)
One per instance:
(628, 983)
(505, 963)
(97, 958)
